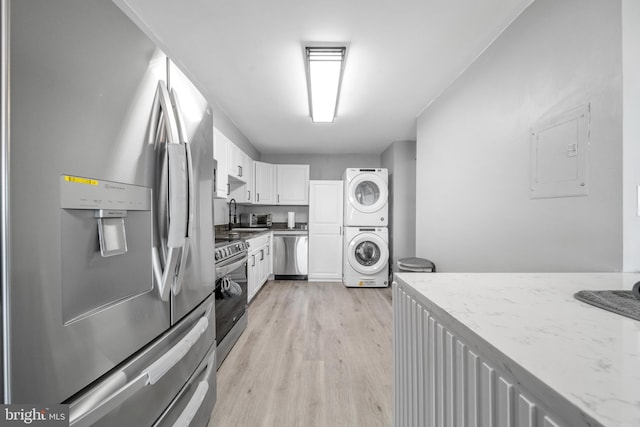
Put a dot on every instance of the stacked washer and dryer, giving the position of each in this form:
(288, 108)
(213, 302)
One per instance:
(366, 237)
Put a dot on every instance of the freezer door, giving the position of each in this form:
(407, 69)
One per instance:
(194, 404)
(194, 120)
(137, 393)
(82, 296)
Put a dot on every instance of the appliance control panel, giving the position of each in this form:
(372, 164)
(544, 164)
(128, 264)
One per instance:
(88, 193)
(227, 250)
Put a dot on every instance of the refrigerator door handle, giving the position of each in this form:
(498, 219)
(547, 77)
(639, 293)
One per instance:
(168, 273)
(178, 219)
(182, 132)
(177, 284)
(190, 211)
(89, 414)
(178, 188)
(168, 251)
(185, 418)
(163, 98)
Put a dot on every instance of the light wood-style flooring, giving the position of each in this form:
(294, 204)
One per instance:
(314, 354)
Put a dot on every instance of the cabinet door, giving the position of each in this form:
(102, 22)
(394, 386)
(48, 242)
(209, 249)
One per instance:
(252, 277)
(247, 175)
(269, 265)
(241, 187)
(292, 183)
(220, 148)
(263, 266)
(233, 161)
(325, 230)
(246, 164)
(264, 187)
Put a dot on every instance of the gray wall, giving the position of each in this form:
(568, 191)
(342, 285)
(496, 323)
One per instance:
(631, 131)
(400, 160)
(473, 148)
(326, 166)
(231, 131)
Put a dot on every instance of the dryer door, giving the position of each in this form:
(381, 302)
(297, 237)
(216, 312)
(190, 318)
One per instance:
(368, 253)
(368, 193)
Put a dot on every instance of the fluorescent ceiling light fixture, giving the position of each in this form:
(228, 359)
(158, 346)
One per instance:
(324, 65)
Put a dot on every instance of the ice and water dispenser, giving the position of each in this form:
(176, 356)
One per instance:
(106, 235)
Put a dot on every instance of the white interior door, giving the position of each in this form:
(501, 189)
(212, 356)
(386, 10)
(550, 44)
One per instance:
(325, 230)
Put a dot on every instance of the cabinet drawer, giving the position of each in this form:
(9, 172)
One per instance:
(258, 242)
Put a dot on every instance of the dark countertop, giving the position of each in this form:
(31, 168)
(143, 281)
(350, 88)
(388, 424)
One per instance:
(239, 232)
(232, 235)
(283, 226)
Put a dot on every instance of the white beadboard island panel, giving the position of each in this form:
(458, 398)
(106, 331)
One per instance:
(513, 349)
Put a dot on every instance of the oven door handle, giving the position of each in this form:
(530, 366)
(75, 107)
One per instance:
(226, 269)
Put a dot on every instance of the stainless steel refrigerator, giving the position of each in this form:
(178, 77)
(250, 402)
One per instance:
(107, 230)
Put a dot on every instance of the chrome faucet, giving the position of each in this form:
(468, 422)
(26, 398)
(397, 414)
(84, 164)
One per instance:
(235, 213)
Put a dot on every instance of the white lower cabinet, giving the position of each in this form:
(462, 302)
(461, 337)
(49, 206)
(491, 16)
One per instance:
(259, 265)
(441, 379)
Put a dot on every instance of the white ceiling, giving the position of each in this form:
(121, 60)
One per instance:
(246, 55)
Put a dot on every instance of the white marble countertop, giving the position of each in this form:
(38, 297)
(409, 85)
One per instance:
(588, 355)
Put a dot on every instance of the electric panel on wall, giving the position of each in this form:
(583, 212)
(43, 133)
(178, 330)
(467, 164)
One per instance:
(559, 155)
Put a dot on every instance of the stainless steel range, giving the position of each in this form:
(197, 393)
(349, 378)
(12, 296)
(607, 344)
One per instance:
(230, 294)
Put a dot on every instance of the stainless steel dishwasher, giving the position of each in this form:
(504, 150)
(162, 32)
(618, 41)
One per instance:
(290, 250)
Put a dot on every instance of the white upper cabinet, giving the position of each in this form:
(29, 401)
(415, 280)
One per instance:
(220, 148)
(264, 187)
(241, 186)
(235, 170)
(292, 184)
(237, 164)
(247, 171)
(249, 182)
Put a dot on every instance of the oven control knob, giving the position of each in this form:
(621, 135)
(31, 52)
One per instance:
(217, 255)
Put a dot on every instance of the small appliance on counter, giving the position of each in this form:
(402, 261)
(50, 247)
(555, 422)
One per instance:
(256, 220)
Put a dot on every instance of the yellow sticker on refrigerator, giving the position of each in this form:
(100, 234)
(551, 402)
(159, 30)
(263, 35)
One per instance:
(79, 180)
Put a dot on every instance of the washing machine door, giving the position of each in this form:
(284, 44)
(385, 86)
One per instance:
(368, 253)
(368, 193)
